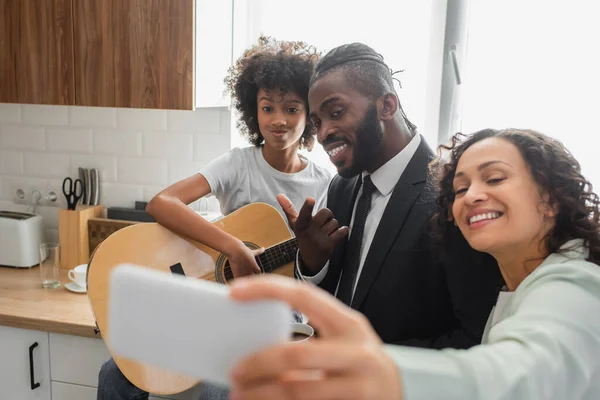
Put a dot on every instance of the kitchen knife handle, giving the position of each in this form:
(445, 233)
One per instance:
(84, 197)
(96, 187)
(88, 186)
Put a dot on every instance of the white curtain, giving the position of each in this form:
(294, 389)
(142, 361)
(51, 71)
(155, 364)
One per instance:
(536, 64)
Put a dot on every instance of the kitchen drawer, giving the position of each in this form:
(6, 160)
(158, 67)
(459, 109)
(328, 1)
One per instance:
(76, 359)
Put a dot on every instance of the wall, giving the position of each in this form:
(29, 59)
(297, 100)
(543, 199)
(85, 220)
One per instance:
(138, 152)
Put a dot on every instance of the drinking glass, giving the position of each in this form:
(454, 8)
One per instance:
(50, 264)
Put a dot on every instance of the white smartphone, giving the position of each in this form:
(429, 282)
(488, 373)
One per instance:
(188, 326)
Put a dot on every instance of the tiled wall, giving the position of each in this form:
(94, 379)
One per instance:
(138, 152)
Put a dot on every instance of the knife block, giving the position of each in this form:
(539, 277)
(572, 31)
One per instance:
(73, 234)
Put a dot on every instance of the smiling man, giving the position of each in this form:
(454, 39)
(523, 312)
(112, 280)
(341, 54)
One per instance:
(372, 246)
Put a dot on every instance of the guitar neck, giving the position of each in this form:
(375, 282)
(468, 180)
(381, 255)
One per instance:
(277, 256)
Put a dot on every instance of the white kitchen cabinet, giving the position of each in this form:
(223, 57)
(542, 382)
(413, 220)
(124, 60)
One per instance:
(66, 367)
(75, 363)
(25, 364)
(66, 391)
(76, 360)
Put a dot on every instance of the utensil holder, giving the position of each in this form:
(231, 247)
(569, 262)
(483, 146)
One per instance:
(73, 234)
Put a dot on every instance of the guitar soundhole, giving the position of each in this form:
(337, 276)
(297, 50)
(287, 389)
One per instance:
(227, 272)
(223, 273)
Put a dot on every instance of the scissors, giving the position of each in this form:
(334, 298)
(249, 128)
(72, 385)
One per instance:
(73, 192)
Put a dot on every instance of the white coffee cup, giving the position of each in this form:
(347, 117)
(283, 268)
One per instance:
(301, 332)
(78, 275)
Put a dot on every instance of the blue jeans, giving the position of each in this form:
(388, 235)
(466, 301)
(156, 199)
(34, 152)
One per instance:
(113, 385)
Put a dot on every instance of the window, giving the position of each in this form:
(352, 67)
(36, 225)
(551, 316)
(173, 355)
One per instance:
(534, 64)
(409, 34)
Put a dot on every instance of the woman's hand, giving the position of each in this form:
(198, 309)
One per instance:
(346, 361)
(242, 260)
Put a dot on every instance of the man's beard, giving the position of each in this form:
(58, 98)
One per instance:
(367, 145)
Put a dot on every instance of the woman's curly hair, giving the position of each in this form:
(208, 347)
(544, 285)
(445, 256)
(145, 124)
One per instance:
(271, 64)
(555, 171)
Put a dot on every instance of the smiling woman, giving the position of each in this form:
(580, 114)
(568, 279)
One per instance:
(507, 188)
(516, 194)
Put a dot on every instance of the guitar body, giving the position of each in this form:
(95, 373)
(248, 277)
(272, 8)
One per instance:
(154, 246)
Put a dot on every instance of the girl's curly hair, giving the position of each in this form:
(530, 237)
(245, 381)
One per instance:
(555, 171)
(271, 64)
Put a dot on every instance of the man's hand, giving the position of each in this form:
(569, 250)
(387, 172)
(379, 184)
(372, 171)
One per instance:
(317, 235)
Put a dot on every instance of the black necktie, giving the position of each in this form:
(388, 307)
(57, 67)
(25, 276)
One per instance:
(350, 269)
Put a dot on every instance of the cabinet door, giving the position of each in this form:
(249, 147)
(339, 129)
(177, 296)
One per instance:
(66, 391)
(36, 52)
(76, 360)
(135, 53)
(22, 349)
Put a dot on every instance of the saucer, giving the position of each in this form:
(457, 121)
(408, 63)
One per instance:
(73, 287)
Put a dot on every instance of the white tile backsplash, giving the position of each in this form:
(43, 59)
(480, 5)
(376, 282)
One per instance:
(129, 118)
(225, 121)
(138, 151)
(4, 192)
(69, 140)
(106, 166)
(50, 217)
(178, 146)
(120, 194)
(207, 121)
(16, 137)
(182, 169)
(93, 116)
(47, 165)
(143, 170)
(11, 162)
(118, 143)
(10, 113)
(45, 115)
(208, 147)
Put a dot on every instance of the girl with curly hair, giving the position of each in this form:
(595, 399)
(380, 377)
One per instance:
(517, 195)
(269, 85)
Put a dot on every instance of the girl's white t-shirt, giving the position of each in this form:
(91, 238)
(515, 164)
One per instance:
(242, 176)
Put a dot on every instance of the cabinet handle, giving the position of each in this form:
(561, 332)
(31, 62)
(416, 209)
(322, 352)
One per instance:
(34, 384)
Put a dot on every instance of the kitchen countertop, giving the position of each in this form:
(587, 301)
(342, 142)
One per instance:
(25, 304)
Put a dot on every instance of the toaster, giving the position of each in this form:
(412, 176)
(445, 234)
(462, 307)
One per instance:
(20, 237)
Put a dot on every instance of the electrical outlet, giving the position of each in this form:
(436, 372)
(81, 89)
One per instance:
(22, 194)
(19, 196)
(49, 195)
(53, 196)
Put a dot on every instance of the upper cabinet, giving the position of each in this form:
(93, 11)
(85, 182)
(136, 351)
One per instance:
(144, 48)
(36, 52)
(163, 54)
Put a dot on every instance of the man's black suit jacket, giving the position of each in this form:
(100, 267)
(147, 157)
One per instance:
(411, 294)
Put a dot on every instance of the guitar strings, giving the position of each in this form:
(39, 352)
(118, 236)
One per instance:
(277, 257)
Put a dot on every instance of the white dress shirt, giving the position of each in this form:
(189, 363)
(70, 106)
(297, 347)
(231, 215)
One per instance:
(541, 342)
(384, 179)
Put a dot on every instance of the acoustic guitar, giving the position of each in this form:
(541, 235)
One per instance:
(154, 246)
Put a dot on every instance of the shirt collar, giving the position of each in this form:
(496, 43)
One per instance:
(386, 177)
